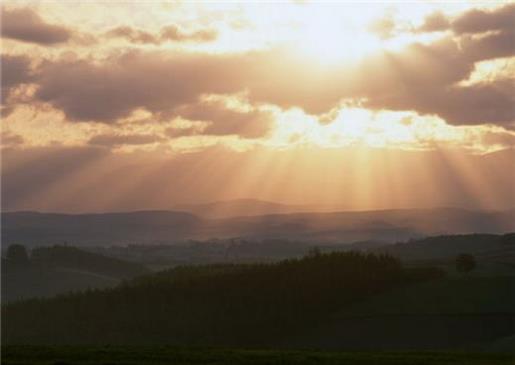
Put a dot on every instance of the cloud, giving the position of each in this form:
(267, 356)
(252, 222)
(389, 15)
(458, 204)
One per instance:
(489, 46)
(167, 33)
(249, 122)
(9, 139)
(477, 104)
(472, 21)
(156, 81)
(435, 22)
(503, 139)
(24, 24)
(174, 33)
(383, 27)
(479, 21)
(164, 82)
(132, 35)
(400, 85)
(175, 132)
(15, 70)
(115, 140)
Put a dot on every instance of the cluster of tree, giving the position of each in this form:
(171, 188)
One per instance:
(229, 305)
(16, 255)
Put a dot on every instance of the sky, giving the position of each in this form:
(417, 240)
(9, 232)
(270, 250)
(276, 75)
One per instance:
(112, 106)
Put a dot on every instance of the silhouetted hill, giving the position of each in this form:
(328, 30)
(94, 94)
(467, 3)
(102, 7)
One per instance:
(33, 229)
(348, 301)
(228, 305)
(61, 269)
(485, 246)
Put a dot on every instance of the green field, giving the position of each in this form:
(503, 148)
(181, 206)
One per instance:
(177, 356)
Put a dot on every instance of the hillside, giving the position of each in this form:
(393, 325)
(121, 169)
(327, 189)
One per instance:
(211, 305)
(444, 313)
(338, 301)
(484, 246)
(60, 269)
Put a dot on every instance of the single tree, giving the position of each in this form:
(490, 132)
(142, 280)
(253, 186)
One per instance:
(314, 252)
(465, 263)
(17, 254)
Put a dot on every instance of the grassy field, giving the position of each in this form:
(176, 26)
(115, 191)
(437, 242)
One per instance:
(466, 313)
(454, 295)
(166, 355)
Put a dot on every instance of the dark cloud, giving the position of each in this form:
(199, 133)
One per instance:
(24, 24)
(484, 103)
(435, 22)
(489, 46)
(223, 121)
(158, 82)
(402, 86)
(472, 21)
(168, 33)
(15, 70)
(479, 21)
(114, 140)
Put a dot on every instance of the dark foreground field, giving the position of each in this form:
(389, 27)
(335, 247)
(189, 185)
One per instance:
(176, 356)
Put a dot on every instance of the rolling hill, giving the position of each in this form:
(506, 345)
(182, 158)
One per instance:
(484, 246)
(337, 301)
(61, 269)
(31, 228)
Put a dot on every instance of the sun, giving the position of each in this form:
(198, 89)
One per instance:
(328, 40)
(316, 43)
(329, 32)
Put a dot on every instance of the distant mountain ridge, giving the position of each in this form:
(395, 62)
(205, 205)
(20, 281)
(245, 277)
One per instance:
(35, 229)
(250, 207)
